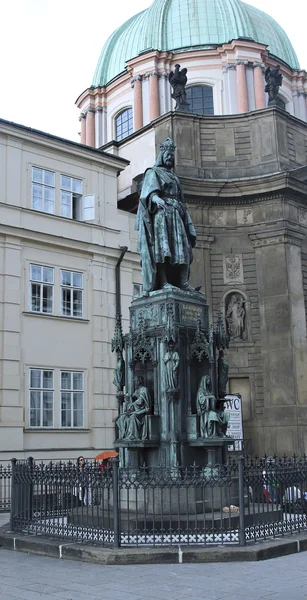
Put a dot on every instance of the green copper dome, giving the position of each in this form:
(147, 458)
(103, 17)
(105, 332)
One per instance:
(183, 24)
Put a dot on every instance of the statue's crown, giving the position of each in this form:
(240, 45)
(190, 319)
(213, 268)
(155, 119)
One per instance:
(168, 145)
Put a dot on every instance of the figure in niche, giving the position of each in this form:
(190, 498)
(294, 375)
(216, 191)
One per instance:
(119, 372)
(171, 361)
(235, 317)
(213, 422)
(222, 370)
(273, 78)
(166, 233)
(178, 80)
(132, 423)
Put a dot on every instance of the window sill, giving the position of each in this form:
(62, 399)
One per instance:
(61, 317)
(56, 429)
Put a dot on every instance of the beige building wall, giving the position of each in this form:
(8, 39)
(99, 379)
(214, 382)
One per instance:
(54, 342)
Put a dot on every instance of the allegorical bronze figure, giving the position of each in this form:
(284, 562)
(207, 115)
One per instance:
(166, 234)
(131, 423)
(273, 78)
(178, 80)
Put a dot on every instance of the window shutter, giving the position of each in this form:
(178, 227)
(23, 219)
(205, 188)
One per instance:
(88, 207)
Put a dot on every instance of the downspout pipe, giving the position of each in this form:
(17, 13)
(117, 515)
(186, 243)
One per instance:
(117, 280)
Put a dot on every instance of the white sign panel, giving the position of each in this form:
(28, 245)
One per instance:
(233, 407)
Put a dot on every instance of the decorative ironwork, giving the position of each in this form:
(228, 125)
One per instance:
(63, 501)
(5, 487)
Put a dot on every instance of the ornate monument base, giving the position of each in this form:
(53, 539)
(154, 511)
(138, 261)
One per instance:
(170, 350)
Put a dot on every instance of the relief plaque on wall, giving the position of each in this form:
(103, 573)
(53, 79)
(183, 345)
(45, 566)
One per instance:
(233, 268)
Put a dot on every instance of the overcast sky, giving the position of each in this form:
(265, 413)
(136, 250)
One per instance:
(49, 50)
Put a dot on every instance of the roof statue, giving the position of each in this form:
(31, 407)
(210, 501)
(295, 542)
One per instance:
(273, 78)
(178, 80)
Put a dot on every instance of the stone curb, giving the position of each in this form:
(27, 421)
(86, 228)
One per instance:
(126, 556)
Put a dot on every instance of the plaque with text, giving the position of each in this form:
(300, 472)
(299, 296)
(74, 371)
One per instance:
(190, 314)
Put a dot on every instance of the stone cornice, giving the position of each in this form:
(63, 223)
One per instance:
(282, 234)
(242, 191)
(39, 139)
(204, 241)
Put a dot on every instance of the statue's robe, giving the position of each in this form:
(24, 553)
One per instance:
(163, 233)
(132, 423)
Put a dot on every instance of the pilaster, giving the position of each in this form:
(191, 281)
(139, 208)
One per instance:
(259, 85)
(154, 109)
(242, 86)
(201, 267)
(137, 103)
(283, 332)
(82, 119)
(90, 127)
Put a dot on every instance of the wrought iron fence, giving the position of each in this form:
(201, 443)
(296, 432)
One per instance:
(5, 487)
(238, 503)
(277, 493)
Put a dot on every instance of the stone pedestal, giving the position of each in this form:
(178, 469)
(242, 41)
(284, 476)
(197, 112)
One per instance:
(165, 323)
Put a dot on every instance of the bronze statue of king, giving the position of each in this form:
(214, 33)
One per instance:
(166, 234)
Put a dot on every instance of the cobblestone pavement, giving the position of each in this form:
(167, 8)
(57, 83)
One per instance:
(29, 577)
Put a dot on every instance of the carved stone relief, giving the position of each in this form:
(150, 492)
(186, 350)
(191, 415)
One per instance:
(245, 216)
(235, 316)
(233, 268)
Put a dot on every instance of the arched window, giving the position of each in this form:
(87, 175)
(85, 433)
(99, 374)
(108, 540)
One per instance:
(200, 99)
(123, 124)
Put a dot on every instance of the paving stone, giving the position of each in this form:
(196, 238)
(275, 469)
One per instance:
(30, 577)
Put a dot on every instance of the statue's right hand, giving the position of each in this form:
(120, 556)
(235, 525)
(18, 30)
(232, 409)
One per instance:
(158, 201)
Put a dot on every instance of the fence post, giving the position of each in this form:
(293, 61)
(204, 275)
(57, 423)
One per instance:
(31, 465)
(242, 538)
(115, 465)
(13, 493)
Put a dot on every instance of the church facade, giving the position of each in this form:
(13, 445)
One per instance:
(243, 167)
(244, 179)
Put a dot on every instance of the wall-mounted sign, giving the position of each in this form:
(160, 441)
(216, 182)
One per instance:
(233, 406)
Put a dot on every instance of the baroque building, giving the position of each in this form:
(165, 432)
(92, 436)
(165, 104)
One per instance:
(243, 168)
(226, 47)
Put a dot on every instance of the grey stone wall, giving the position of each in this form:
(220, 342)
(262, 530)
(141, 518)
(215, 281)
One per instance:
(244, 178)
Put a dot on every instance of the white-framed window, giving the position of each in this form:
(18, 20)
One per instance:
(71, 197)
(71, 294)
(72, 398)
(41, 289)
(41, 392)
(123, 124)
(43, 190)
(73, 204)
